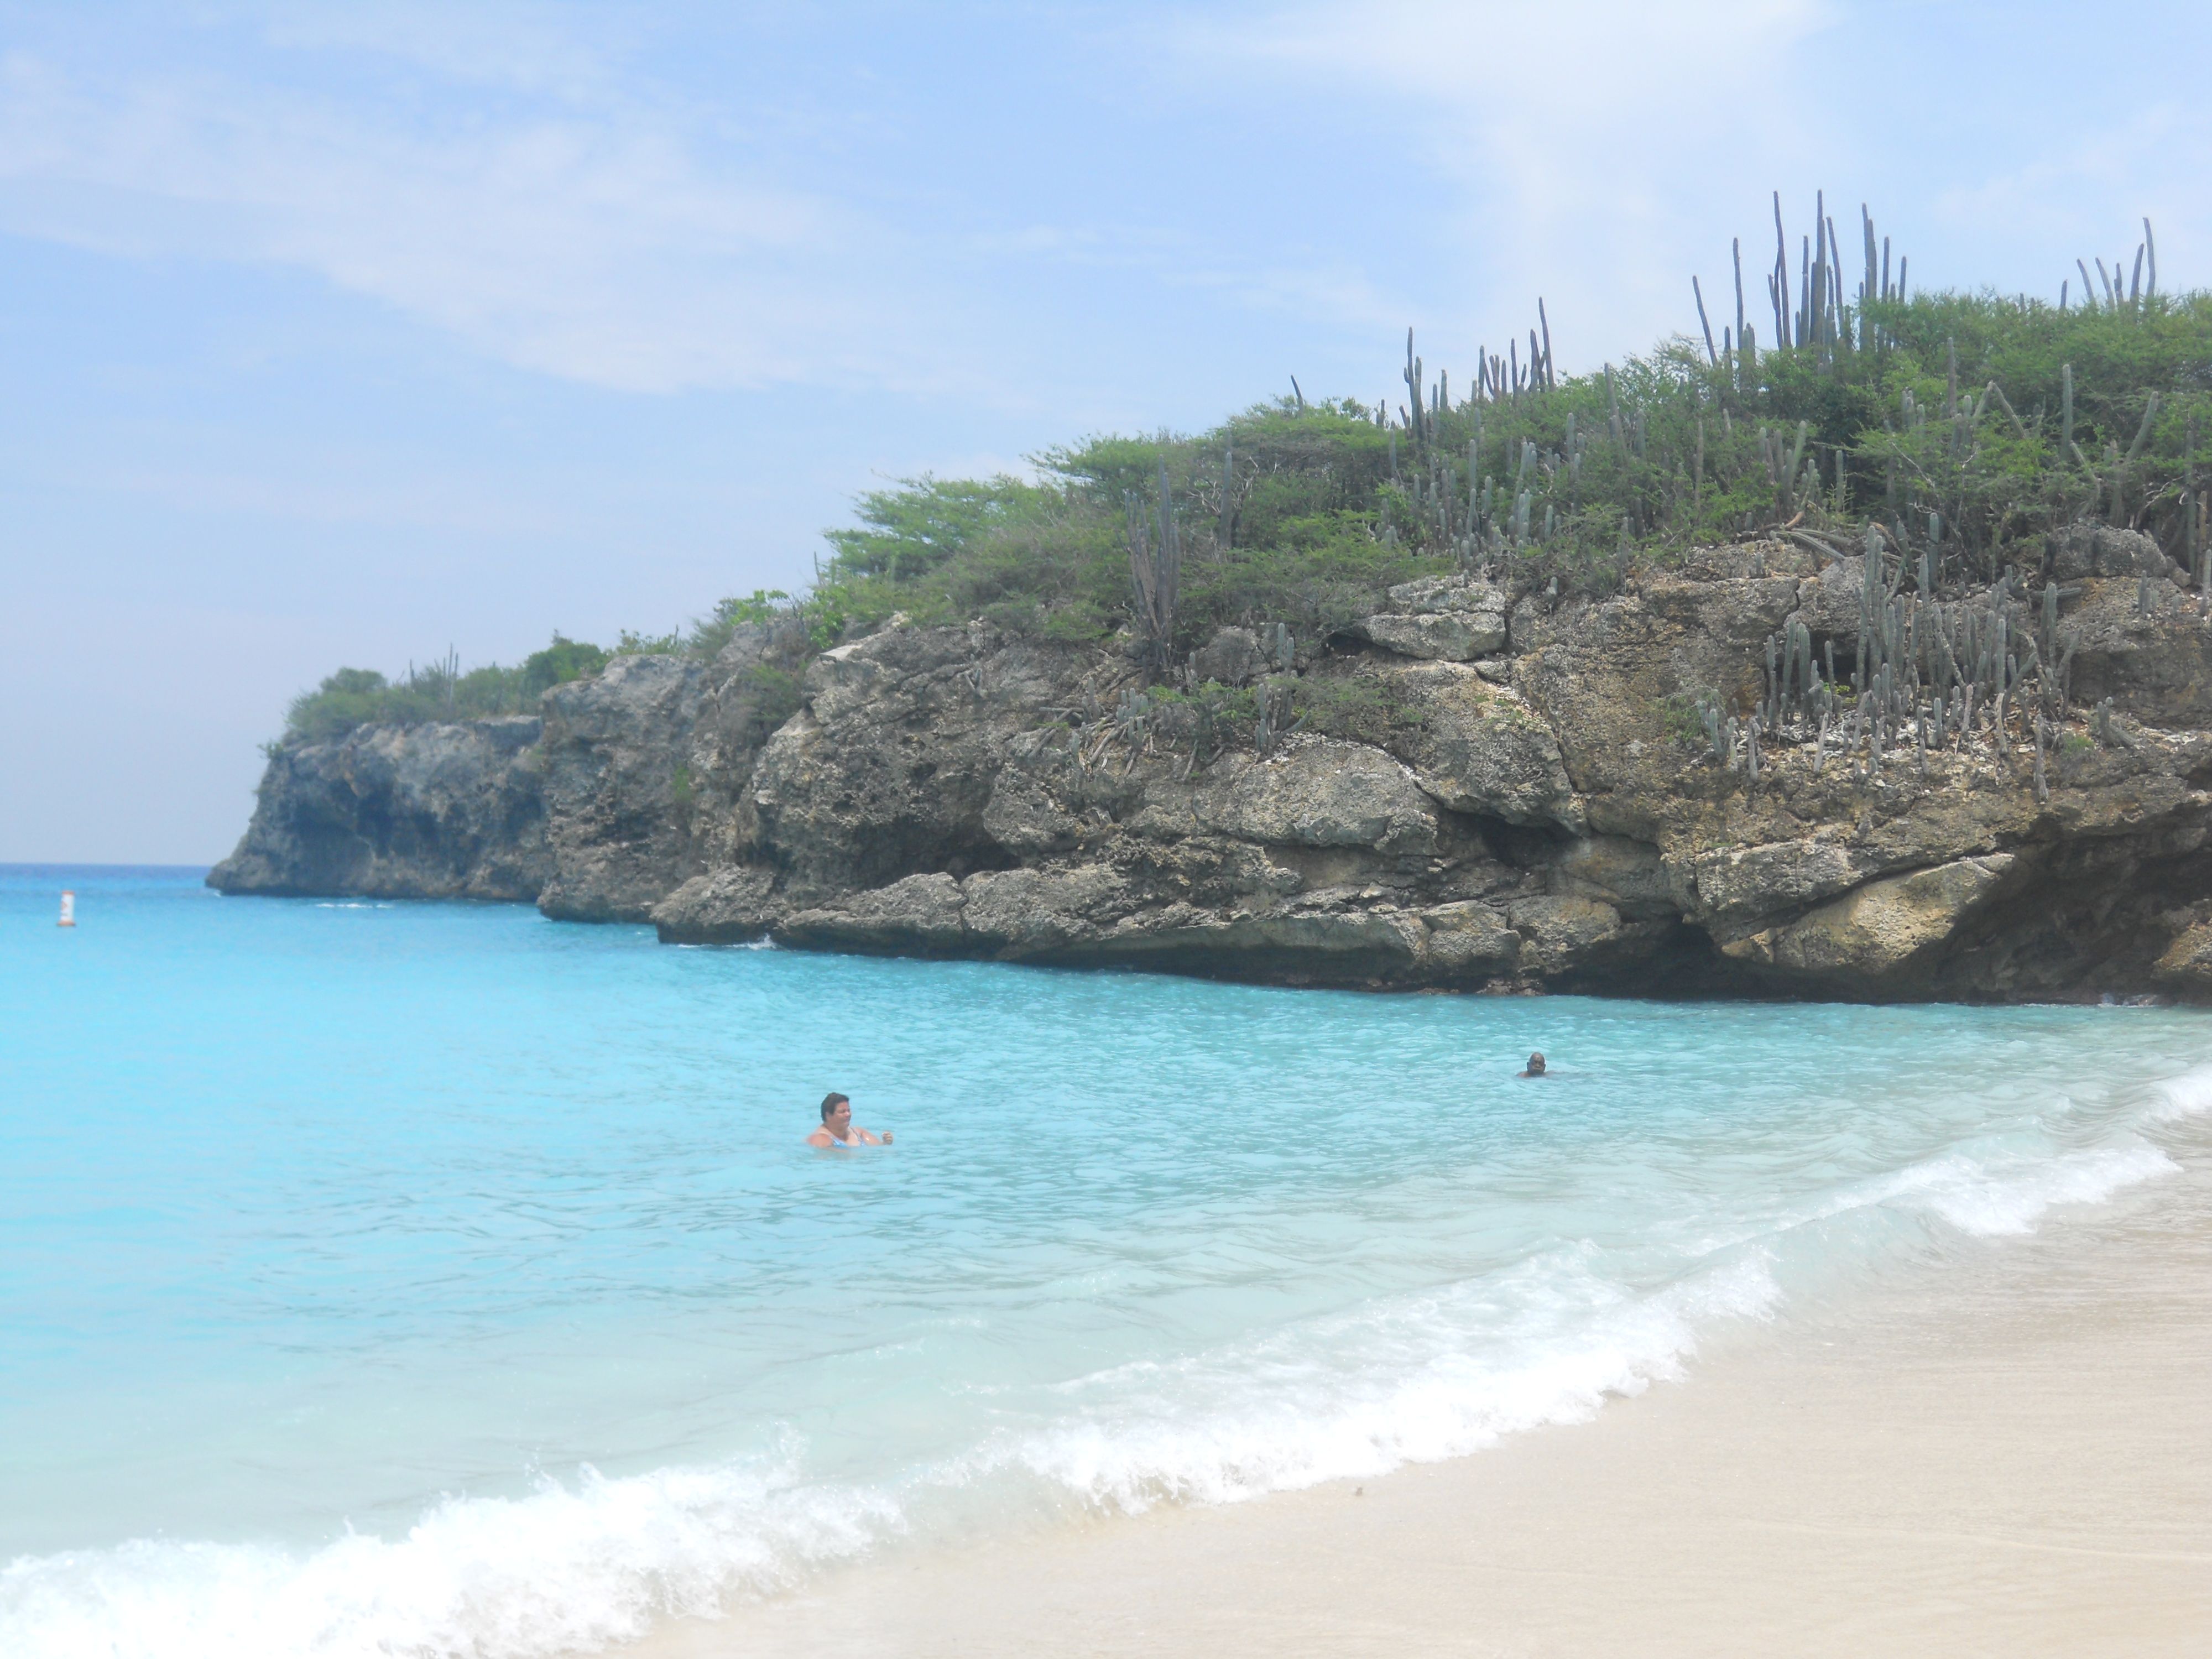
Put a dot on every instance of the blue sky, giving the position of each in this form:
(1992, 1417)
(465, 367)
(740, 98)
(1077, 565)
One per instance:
(347, 333)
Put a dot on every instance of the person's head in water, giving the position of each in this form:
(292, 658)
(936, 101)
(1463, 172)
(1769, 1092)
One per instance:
(838, 1128)
(1536, 1066)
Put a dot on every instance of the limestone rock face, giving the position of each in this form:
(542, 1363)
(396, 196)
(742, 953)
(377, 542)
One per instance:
(453, 811)
(1450, 618)
(2154, 661)
(1754, 881)
(1231, 657)
(1044, 914)
(1485, 788)
(1321, 794)
(1600, 674)
(1629, 875)
(1469, 940)
(2188, 960)
(1881, 928)
(890, 768)
(1558, 930)
(1828, 602)
(751, 688)
(1478, 748)
(1451, 636)
(919, 916)
(619, 789)
(734, 905)
(1438, 595)
(2100, 551)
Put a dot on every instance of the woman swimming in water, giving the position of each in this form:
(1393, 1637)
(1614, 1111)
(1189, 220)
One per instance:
(838, 1128)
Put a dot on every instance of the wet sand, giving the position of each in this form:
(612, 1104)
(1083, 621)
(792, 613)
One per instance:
(2011, 1455)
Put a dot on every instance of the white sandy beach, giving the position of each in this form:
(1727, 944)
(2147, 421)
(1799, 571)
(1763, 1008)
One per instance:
(2010, 1456)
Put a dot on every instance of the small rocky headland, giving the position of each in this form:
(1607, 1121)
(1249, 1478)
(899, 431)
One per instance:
(1862, 648)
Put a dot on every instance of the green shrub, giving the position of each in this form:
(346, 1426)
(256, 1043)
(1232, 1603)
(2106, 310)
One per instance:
(762, 607)
(1940, 417)
(1679, 718)
(1305, 513)
(563, 660)
(768, 696)
(909, 531)
(1356, 706)
(347, 699)
(361, 696)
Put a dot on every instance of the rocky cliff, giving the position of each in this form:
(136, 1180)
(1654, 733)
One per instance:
(422, 811)
(1477, 788)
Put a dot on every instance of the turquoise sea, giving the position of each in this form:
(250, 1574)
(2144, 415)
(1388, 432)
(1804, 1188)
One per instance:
(386, 1278)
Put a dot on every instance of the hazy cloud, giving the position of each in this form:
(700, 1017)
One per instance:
(600, 249)
(1600, 152)
(1585, 143)
(569, 51)
(2087, 194)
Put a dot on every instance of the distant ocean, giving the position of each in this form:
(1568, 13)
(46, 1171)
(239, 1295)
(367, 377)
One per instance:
(392, 1278)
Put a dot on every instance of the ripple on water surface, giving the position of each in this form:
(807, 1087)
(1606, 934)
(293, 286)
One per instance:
(495, 1238)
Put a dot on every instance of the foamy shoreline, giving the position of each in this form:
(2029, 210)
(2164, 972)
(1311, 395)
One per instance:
(2011, 1454)
(609, 1383)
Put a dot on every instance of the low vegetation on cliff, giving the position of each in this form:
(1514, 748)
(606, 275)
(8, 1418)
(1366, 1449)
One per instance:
(1953, 431)
(441, 691)
(1963, 427)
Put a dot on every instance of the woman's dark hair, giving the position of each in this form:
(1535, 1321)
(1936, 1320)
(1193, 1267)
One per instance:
(832, 1102)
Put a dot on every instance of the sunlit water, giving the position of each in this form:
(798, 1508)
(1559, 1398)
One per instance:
(392, 1278)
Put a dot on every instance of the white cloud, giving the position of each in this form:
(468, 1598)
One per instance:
(2091, 195)
(412, 498)
(513, 173)
(1585, 144)
(1599, 152)
(1329, 291)
(1608, 59)
(523, 43)
(582, 240)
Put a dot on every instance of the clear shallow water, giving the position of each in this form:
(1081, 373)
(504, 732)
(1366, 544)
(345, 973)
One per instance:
(431, 1279)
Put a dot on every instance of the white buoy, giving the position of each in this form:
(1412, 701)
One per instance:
(69, 909)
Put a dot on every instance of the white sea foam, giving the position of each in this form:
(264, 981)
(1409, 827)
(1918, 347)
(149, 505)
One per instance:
(1410, 1377)
(577, 1567)
(1993, 1196)
(1432, 1383)
(568, 1568)
(2186, 1096)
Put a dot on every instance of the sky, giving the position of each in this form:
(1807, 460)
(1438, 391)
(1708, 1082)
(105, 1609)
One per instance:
(347, 334)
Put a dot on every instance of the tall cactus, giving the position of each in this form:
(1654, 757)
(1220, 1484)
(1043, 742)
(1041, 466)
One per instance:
(1155, 573)
(1416, 419)
(1779, 290)
(1735, 252)
(1227, 531)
